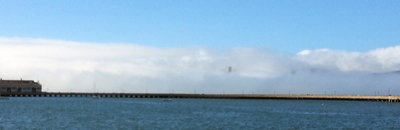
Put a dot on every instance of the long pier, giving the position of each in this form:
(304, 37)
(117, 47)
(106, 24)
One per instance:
(394, 99)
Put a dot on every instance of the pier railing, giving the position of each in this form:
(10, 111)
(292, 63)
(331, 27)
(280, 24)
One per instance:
(215, 96)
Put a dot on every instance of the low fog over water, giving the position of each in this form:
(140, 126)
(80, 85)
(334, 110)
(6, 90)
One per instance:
(104, 67)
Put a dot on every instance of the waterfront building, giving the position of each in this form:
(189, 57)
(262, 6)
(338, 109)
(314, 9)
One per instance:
(20, 86)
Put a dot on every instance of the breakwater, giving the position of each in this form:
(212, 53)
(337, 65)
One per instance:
(395, 99)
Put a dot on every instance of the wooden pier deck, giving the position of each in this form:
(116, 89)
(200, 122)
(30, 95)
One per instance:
(394, 99)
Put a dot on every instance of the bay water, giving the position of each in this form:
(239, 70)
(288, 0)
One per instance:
(190, 114)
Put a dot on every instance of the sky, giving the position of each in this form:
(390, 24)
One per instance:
(286, 46)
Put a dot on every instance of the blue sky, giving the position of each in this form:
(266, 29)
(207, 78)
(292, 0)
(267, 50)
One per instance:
(284, 26)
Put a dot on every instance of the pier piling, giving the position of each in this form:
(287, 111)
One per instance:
(391, 99)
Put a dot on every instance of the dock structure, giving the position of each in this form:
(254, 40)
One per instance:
(19, 86)
(394, 99)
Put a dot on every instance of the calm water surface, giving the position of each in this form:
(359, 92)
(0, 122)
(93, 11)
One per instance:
(136, 113)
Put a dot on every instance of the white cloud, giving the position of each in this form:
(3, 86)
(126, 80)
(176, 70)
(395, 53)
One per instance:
(76, 66)
(376, 61)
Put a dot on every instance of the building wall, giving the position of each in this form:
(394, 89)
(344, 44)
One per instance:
(19, 86)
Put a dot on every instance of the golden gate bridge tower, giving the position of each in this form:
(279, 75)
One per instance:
(228, 69)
